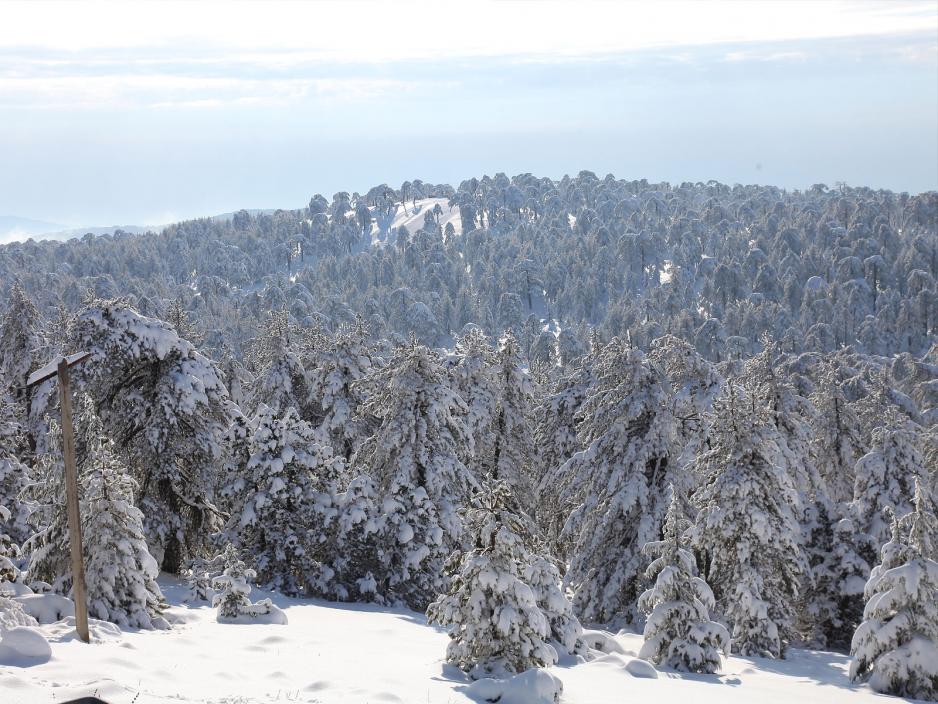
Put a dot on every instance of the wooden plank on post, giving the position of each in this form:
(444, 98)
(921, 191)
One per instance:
(71, 501)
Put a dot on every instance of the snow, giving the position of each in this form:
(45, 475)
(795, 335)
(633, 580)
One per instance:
(23, 642)
(531, 687)
(46, 608)
(354, 653)
(412, 218)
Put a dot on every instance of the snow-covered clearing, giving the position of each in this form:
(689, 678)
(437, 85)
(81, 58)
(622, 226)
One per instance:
(343, 653)
(412, 218)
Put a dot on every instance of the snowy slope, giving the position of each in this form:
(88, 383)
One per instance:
(412, 219)
(340, 654)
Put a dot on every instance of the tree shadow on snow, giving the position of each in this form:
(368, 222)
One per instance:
(821, 668)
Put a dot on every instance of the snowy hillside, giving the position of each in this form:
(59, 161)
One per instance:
(357, 654)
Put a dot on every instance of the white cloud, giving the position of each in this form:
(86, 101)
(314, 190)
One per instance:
(180, 91)
(376, 31)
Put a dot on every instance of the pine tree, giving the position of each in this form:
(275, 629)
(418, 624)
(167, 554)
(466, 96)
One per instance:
(339, 364)
(885, 476)
(472, 376)
(555, 438)
(694, 382)
(837, 439)
(747, 526)
(48, 547)
(617, 484)
(286, 505)
(201, 574)
(356, 560)
(507, 453)
(21, 347)
(14, 476)
(167, 410)
(231, 598)
(678, 630)
(414, 460)
(831, 605)
(895, 649)
(498, 628)
(276, 357)
(120, 573)
(792, 414)
(9, 551)
(542, 575)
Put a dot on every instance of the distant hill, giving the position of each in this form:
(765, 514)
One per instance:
(13, 227)
(99, 230)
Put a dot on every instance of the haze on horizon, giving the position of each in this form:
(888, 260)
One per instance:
(144, 113)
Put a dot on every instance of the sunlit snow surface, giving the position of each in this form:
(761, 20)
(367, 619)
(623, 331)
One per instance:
(358, 653)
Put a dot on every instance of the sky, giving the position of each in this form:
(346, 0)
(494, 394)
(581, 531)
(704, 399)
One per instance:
(147, 113)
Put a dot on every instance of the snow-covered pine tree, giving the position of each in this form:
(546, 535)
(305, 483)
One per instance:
(14, 475)
(177, 316)
(831, 603)
(237, 380)
(355, 560)
(120, 573)
(48, 546)
(791, 413)
(837, 441)
(414, 460)
(276, 358)
(747, 526)
(678, 630)
(618, 483)
(9, 551)
(543, 576)
(164, 405)
(839, 581)
(231, 598)
(507, 451)
(284, 505)
(233, 587)
(201, 573)
(497, 627)
(338, 365)
(895, 649)
(695, 383)
(21, 347)
(886, 476)
(555, 438)
(472, 376)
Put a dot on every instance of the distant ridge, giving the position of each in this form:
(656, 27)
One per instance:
(13, 228)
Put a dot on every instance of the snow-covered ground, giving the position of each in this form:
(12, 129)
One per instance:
(412, 218)
(344, 653)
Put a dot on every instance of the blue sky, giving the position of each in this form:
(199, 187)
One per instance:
(139, 113)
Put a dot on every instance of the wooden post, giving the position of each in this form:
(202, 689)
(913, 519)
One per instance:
(59, 367)
(71, 502)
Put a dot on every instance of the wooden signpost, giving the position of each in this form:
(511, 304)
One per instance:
(59, 367)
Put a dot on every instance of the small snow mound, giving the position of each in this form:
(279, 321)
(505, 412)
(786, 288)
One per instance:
(601, 641)
(262, 611)
(532, 687)
(12, 614)
(641, 669)
(23, 642)
(14, 589)
(99, 631)
(46, 608)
